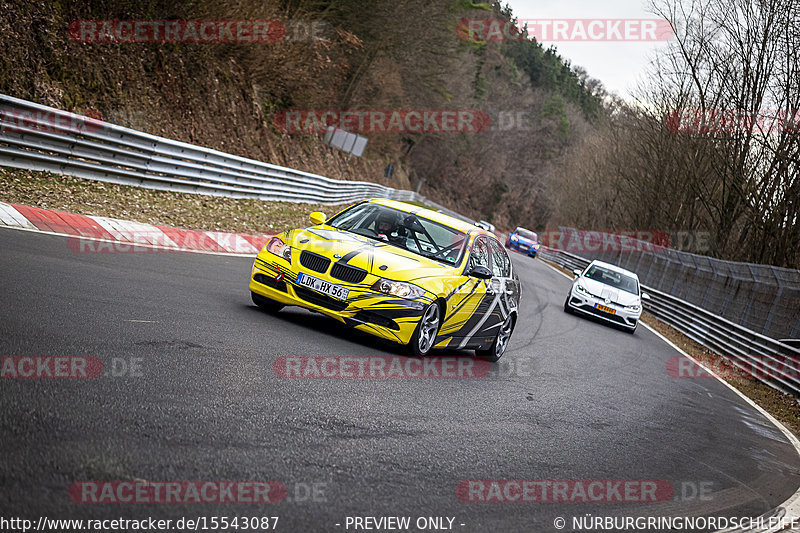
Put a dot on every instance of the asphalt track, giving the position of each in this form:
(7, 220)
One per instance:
(572, 400)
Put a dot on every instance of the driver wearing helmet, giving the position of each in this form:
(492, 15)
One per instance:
(386, 226)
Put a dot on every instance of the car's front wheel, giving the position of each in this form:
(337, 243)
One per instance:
(425, 335)
(265, 303)
(498, 347)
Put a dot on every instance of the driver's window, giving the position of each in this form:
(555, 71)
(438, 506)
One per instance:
(501, 265)
(480, 253)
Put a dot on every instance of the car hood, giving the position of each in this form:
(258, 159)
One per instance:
(527, 242)
(376, 257)
(607, 292)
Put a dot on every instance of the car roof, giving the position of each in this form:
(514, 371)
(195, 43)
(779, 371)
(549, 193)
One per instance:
(441, 218)
(526, 229)
(614, 268)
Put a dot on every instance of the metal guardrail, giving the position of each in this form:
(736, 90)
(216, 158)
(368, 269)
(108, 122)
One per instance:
(37, 137)
(768, 360)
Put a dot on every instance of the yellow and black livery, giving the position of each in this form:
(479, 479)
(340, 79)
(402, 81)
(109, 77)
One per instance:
(399, 272)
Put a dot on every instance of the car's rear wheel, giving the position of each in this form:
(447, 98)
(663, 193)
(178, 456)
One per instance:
(498, 347)
(265, 303)
(425, 335)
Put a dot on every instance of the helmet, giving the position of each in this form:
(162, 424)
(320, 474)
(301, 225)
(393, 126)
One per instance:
(385, 222)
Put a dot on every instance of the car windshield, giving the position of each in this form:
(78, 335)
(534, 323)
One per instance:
(404, 230)
(522, 232)
(613, 278)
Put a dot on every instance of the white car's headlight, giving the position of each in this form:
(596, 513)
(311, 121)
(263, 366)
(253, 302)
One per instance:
(583, 291)
(634, 308)
(279, 248)
(398, 288)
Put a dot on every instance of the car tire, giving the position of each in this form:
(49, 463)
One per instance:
(631, 330)
(424, 335)
(498, 347)
(567, 308)
(267, 304)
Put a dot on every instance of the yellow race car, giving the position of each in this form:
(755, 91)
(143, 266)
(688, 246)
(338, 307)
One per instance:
(397, 271)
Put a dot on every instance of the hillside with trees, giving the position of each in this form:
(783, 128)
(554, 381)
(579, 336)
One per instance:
(559, 151)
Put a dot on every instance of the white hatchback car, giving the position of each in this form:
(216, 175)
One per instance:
(607, 292)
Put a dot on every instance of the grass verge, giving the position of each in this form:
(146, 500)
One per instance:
(190, 211)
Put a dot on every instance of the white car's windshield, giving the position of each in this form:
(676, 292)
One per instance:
(405, 230)
(613, 278)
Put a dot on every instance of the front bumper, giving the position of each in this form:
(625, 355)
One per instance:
(378, 314)
(586, 304)
(531, 250)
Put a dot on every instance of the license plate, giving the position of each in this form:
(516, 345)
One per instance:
(603, 308)
(319, 285)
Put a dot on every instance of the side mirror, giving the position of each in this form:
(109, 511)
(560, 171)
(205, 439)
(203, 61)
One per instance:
(645, 296)
(318, 218)
(577, 272)
(480, 272)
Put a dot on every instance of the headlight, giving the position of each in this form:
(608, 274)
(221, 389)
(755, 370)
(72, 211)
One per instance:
(398, 288)
(634, 308)
(583, 291)
(513, 237)
(279, 248)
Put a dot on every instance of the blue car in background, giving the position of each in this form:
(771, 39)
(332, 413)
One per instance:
(523, 240)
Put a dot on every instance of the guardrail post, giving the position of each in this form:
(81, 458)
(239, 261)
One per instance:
(795, 328)
(746, 312)
(639, 264)
(711, 284)
(650, 268)
(667, 262)
(771, 314)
